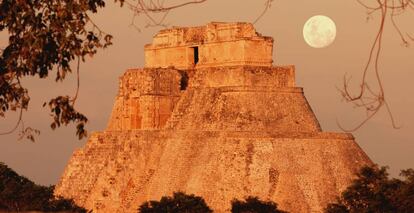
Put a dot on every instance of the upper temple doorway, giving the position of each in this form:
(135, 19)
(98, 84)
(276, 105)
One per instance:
(195, 55)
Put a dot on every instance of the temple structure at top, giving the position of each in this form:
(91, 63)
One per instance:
(210, 115)
(216, 55)
(215, 44)
(224, 56)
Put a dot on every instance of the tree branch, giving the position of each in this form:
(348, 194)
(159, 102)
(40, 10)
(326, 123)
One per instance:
(365, 92)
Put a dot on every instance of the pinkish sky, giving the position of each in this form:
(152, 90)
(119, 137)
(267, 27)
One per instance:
(319, 71)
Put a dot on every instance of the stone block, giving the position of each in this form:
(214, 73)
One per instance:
(230, 126)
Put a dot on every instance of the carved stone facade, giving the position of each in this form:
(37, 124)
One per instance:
(229, 126)
(146, 99)
(216, 44)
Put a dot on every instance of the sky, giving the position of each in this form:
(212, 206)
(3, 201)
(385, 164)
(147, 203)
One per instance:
(319, 71)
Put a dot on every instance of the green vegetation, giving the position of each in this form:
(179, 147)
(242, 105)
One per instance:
(254, 205)
(17, 193)
(179, 202)
(373, 191)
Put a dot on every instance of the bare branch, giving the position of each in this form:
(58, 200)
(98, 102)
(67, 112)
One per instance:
(155, 11)
(27, 132)
(366, 98)
(160, 7)
(18, 122)
(268, 4)
(77, 83)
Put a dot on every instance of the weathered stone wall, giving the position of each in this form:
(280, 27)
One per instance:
(218, 131)
(219, 44)
(220, 143)
(244, 98)
(146, 99)
(244, 109)
(302, 172)
(179, 57)
(244, 76)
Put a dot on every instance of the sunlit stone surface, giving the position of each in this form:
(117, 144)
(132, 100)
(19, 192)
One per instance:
(210, 115)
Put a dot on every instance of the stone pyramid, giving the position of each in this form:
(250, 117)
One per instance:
(210, 115)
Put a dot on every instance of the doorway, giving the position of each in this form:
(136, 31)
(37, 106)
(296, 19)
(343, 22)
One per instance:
(196, 57)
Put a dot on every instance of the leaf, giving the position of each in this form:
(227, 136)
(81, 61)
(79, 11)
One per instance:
(44, 35)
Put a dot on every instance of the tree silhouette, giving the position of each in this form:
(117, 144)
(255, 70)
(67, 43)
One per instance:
(254, 205)
(53, 36)
(17, 193)
(46, 36)
(373, 191)
(178, 203)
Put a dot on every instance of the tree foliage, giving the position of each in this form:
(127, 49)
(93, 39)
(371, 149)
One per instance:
(373, 191)
(18, 193)
(254, 205)
(178, 203)
(50, 35)
(46, 36)
(53, 36)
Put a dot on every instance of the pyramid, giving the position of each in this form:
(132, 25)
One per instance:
(210, 115)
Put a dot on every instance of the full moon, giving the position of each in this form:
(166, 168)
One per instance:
(319, 31)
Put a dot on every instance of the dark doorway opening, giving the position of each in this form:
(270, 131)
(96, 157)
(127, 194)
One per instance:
(195, 55)
(183, 80)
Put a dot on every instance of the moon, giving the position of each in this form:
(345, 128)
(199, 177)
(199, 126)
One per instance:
(319, 31)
